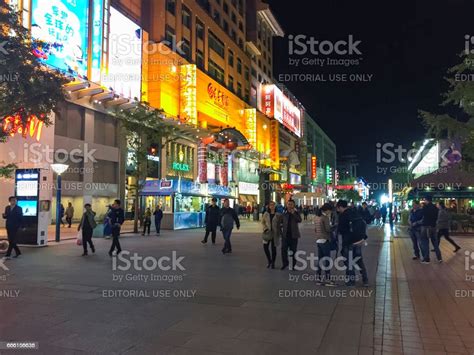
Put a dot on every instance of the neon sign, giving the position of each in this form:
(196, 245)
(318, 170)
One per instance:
(313, 167)
(218, 96)
(328, 174)
(13, 125)
(188, 109)
(180, 166)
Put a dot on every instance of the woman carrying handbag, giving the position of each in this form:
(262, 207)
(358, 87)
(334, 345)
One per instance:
(271, 222)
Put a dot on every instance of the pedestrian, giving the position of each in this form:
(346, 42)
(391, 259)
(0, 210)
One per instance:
(271, 222)
(14, 219)
(352, 229)
(428, 231)
(249, 210)
(69, 214)
(61, 214)
(305, 212)
(227, 219)
(87, 225)
(290, 234)
(211, 221)
(383, 213)
(443, 225)
(322, 229)
(117, 218)
(107, 226)
(415, 220)
(365, 213)
(147, 221)
(158, 213)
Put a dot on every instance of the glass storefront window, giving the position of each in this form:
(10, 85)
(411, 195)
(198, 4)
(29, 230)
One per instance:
(164, 201)
(189, 204)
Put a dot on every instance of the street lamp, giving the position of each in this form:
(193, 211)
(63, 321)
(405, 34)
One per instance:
(58, 169)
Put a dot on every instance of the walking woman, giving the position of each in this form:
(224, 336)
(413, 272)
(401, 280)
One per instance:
(322, 228)
(147, 221)
(271, 222)
(87, 225)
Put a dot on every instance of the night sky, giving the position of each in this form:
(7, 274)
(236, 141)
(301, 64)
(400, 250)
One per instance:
(406, 45)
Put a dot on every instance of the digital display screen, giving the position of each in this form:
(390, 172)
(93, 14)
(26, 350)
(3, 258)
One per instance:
(29, 207)
(27, 188)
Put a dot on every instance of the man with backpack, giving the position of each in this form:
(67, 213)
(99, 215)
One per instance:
(353, 231)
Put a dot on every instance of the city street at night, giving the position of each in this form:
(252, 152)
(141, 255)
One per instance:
(232, 304)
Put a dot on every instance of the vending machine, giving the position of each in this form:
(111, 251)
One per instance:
(32, 190)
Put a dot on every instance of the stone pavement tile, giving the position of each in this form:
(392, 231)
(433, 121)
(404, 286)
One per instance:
(167, 338)
(394, 343)
(335, 348)
(204, 328)
(433, 347)
(366, 350)
(367, 336)
(227, 345)
(413, 344)
(456, 348)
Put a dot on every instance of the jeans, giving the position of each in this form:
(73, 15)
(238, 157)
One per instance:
(288, 243)
(11, 232)
(354, 252)
(266, 248)
(115, 240)
(212, 231)
(87, 238)
(324, 253)
(415, 238)
(427, 234)
(444, 232)
(158, 225)
(69, 221)
(226, 233)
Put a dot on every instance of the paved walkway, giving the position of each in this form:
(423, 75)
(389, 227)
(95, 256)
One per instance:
(232, 304)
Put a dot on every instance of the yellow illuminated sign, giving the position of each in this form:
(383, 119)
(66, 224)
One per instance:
(188, 108)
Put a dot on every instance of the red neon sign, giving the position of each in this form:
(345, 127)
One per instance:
(313, 167)
(13, 125)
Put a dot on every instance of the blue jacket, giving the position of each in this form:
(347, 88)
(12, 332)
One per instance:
(416, 217)
(14, 217)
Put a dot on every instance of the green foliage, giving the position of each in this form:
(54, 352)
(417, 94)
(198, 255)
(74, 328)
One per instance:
(460, 96)
(7, 171)
(27, 87)
(348, 195)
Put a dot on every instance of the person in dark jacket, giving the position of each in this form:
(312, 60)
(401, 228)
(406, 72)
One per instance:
(117, 217)
(158, 213)
(290, 234)
(227, 219)
(416, 217)
(365, 213)
(87, 225)
(428, 231)
(14, 219)
(212, 221)
(443, 225)
(349, 248)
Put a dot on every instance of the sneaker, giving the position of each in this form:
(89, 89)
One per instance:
(203, 242)
(320, 283)
(440, 261)
(425, 261)
(416, 258)
(330, 284)
(84, 254)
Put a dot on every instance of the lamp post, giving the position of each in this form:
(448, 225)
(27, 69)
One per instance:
(58, 169)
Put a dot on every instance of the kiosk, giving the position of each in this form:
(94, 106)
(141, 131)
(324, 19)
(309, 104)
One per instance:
(31, 191)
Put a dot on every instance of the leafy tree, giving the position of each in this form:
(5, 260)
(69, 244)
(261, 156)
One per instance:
(141, 127)
(27, 86)
(458, 119)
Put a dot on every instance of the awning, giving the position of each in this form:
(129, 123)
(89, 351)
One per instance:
(247, 198)
(231, 135)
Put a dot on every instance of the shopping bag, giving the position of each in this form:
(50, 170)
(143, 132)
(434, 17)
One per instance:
(79, 238)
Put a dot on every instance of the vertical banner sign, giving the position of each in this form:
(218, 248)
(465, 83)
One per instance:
(313, 167)
(328, 175)
(97, 39)
(62, 25)
(274, 141)
(251, 126)
(202, 163)
(188, 108)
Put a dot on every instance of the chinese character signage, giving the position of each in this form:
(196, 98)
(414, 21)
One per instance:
(188, 108)
(277, 105)
(313, 167)
(62, 24)
(329, 177)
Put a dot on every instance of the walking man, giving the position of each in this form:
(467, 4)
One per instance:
(87, 225)
(227, 219)
(14, 218)
(428, 231)
(117, 217)
(352, 229)
(290, 234)
(69, 214)
(416, 217)
(443, 225)
(158, 213)
(212, 221)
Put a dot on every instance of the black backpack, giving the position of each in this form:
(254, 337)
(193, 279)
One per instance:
(358, 229)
